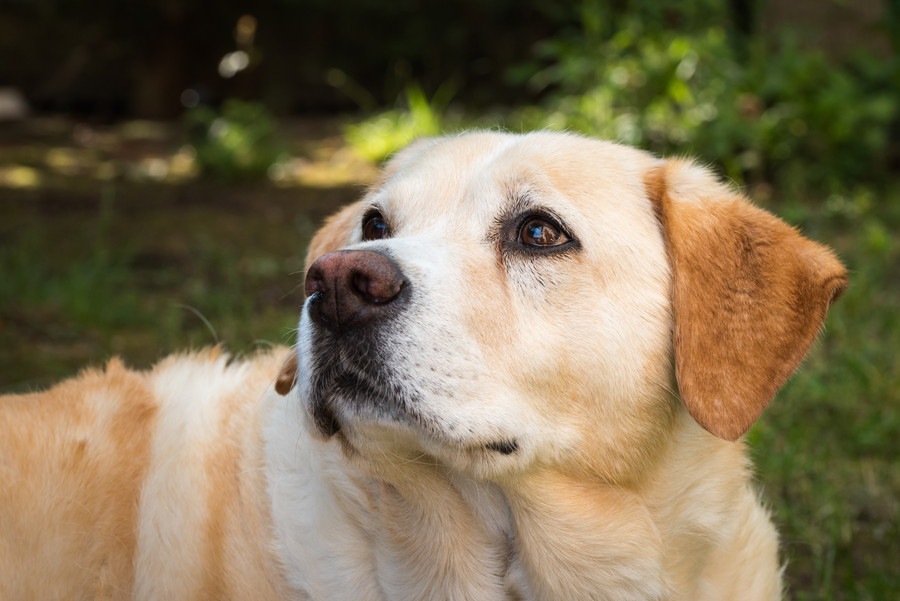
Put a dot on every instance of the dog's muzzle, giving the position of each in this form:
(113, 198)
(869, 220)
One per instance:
(351, 294)
(350, 289)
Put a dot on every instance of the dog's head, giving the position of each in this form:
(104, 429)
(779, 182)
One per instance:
(498, 300)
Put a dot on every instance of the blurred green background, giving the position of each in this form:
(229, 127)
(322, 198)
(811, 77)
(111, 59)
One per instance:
(164, 164)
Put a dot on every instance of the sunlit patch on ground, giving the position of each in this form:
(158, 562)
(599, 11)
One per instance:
(339, 168)
(53, 152)
(112, 242)
(19, 176)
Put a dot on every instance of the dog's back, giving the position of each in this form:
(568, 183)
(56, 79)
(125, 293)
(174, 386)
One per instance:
(152, 480)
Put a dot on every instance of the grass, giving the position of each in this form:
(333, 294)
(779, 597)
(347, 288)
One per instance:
(143, 293)
(827, 449)
(92, 268)
(147, 269)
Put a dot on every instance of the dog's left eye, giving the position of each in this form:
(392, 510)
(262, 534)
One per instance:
(540, 231)
(375, 227)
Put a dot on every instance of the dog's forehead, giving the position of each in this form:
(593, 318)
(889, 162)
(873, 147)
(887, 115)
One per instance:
(476, 175)
(457, 173)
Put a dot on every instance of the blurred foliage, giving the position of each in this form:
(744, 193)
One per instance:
(782, 113)
(238, 142)
(135, 58)
(767, 110)
(385, 133)
(825, 450)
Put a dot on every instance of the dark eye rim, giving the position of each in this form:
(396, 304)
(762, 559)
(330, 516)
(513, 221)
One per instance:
(368, 216)
(513, 240)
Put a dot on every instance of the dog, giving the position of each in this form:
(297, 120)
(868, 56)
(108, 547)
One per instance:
(523, 371)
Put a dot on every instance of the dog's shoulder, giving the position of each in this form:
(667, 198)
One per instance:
(116, 409)
(90, 418)
(117, 463)
(71, 461)
(205, 486)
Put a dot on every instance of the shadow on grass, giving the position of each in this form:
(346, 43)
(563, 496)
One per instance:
(146, 269)
(111, 243)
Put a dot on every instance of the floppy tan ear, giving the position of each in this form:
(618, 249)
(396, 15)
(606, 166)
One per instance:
(749, 296)
(288, 374)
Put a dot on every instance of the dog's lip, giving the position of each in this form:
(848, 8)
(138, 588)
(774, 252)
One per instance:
(345, 395)
(330, 408)
(324, 418)
(504, 446)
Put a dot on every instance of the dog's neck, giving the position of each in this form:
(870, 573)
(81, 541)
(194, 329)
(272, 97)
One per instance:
(575, 537)
(416, 530)
(419, 532)
(687, 528)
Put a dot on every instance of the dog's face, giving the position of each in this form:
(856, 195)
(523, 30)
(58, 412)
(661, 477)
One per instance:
(502, 300)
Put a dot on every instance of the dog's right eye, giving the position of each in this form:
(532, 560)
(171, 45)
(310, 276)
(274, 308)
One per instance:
(539, 231)
(375, 227)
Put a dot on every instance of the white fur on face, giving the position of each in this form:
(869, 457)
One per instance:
(499, 345)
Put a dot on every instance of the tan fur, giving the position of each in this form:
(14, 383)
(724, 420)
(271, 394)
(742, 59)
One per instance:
(750, 294)
(62, 475)
(333, 234)
(75, 460)
(287, 376)
(625, 371)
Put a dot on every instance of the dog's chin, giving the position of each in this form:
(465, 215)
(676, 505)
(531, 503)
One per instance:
(371, 426)
(344, 399)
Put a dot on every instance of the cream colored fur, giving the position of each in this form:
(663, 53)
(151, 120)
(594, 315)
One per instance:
(196, 480)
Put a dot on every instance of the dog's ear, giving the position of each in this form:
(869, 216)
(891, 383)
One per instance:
(288, 374)
(749, 296)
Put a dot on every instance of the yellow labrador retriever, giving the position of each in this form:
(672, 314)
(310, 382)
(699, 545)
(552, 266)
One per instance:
(523, 371)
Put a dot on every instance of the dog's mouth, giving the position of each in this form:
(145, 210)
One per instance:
(348, 394)
(350, 385)
(342, 394)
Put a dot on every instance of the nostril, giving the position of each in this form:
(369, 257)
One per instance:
(361, 286)
(375, 289)
(315, 282)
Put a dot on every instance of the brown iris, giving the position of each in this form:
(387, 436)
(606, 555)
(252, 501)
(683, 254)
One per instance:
(375, 227)
(539, 231)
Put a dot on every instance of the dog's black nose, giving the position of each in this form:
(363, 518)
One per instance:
(353, 288)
